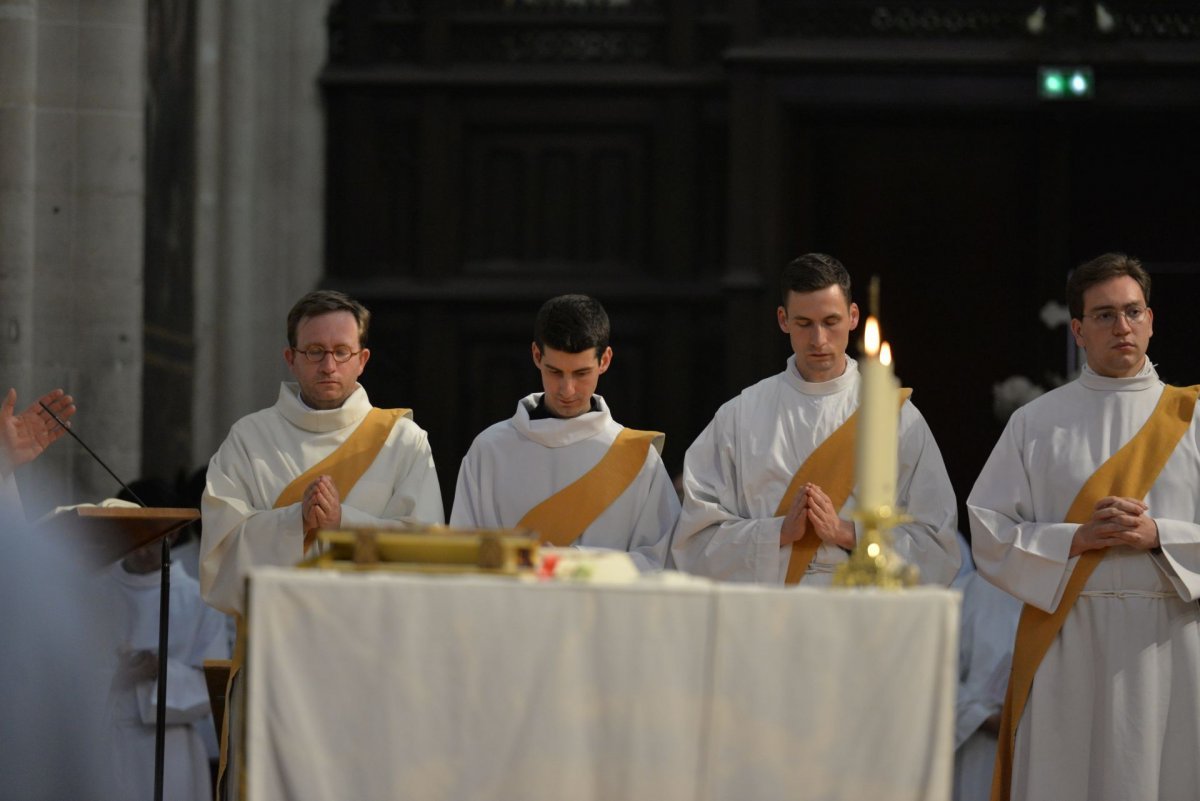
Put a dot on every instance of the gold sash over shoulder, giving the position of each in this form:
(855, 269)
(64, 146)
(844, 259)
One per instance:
(565, 515)
(1128, 473)
(831, 467)
(346, 466)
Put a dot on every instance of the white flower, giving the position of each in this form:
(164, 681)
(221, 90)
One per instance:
(1055, 314)
(1013, 393)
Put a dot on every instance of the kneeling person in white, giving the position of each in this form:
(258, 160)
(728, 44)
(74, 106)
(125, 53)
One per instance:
(561, 466)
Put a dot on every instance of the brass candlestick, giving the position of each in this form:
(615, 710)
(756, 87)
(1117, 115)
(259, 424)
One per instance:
(874, 561)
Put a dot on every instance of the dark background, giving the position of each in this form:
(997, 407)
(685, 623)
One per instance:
(669, 157)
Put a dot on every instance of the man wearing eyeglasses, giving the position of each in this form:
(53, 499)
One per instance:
(1088, 510)
(287, 471)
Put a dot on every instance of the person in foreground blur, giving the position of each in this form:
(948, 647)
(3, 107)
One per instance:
(23, 437)
(197, 633)
(1088, 511)
(561, 466)
(760, 502)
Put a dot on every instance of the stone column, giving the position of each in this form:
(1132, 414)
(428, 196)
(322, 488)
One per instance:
(260, 198)
(71, 208)
(18, 58)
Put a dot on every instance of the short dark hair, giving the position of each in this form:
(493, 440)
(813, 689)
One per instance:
(1099, 270)
(324, 301)
(572, 324)
(812, 272)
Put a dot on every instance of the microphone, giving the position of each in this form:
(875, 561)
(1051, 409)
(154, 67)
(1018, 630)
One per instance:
(100, 461)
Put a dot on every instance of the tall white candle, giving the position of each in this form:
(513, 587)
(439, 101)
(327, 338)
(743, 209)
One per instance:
(877, 443)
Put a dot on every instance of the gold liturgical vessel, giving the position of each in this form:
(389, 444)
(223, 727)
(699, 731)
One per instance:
(874, 562)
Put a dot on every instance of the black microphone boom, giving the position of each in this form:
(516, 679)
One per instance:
(100, 461)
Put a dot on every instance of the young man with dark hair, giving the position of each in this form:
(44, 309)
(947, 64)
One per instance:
(1088, 511)
(561, 466)
(265, 498)
(761, 499)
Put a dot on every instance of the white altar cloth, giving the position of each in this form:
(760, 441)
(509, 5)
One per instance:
(397, 686)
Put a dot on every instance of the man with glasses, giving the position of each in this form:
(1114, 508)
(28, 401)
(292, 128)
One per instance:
(322, 457)
(769, 485)
(1089, 511)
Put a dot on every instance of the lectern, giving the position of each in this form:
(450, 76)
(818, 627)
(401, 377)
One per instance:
(104, 534)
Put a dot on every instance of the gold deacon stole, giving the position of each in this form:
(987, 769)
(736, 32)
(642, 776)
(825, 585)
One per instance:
(1128, 473)
(345, 466)
(564, 516)
(831, 467)
(348, 461)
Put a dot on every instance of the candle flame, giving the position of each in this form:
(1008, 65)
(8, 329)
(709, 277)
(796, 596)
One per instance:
(885, 353)
(871, 337)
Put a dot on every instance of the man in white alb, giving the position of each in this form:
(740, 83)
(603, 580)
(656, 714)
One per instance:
(321, 458)
(561, 466)
(759, 500)
(1089, 508)
(286, 471)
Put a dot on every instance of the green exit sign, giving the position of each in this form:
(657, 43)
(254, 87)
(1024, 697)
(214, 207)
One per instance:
(1066, 83)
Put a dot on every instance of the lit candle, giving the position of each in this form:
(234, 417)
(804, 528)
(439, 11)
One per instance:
(877, 443)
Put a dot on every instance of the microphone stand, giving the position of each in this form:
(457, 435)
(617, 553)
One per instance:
(164, 613)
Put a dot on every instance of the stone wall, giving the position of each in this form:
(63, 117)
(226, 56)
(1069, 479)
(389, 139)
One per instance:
(71, 209)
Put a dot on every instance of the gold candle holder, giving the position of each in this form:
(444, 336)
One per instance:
(874, 561)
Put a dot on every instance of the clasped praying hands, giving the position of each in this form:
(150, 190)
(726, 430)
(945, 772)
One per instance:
(1116, 521)
(813, 505)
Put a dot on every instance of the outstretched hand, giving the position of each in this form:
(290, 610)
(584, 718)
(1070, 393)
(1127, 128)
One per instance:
(24, 436)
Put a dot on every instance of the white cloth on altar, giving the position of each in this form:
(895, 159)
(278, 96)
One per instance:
(517, 463)
(1114, 712)
(989, 625)
(197, 632)
(265, 451)
(737, 471)
(504, 690)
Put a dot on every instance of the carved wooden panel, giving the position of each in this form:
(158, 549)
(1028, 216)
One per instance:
(556, 201)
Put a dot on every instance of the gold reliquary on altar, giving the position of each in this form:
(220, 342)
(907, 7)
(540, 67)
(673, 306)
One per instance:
(431, 550)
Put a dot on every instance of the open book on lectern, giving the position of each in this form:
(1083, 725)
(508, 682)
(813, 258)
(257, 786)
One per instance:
(104, 533)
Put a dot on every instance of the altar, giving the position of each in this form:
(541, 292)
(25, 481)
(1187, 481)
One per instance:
(395, 686)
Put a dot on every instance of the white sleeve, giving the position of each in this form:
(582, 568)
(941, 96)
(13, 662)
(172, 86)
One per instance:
(713, 537)
(1028, 559)
(187, 695)
(464, 512)
(1179, 557)
(237, 536)
(416, 499)
(650, 539)
(924, 492)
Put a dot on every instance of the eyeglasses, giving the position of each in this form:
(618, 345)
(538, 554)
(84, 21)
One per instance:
(1108, 317)
(316, 354)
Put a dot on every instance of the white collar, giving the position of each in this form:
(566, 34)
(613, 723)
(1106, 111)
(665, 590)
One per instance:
(1147, 378)
(846, 380)
(321, 421)
(556, 432)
